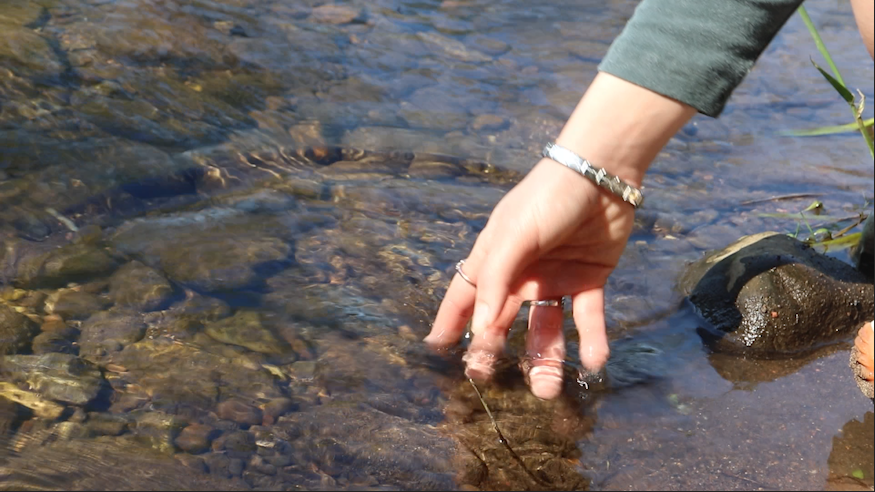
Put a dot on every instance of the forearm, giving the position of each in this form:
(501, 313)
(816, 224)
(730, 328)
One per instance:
(864, 13)
(696, 51)
(620, 126)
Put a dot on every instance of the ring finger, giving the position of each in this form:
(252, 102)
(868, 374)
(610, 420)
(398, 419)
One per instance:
(545, 351)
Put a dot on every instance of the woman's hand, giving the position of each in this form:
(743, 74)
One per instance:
(555, 234)
(558, 234)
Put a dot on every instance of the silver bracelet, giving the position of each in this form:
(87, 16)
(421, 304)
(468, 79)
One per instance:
(597, 175)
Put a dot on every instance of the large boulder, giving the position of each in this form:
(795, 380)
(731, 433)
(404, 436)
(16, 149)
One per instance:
(769, 295)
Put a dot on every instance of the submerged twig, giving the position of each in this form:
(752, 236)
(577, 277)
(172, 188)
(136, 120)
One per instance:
(502, 439)
(860, 219)
(781, 197)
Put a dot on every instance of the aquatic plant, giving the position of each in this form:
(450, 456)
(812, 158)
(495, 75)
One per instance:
(828, 235)
(835, 79)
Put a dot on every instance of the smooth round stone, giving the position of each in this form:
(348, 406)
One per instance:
(240, 412)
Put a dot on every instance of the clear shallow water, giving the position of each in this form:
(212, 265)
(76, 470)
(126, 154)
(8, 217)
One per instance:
(174, 135)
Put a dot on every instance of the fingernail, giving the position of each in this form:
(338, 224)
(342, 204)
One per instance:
(479, 365)
(432, 339)
(481, 317)
(546, 381)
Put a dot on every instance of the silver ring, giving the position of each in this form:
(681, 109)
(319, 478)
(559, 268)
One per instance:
(547, 303)
(462, 274)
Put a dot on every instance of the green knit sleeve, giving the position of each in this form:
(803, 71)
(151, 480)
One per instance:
(695, 51)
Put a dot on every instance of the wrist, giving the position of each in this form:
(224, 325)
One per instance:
(620, 127)
(601, 177)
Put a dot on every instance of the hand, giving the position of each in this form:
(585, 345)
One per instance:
(554, 234)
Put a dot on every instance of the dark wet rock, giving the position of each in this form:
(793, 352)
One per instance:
(246, 330)
(864, 252)
(71, 263)
(158, 430)
(60, 377)
(240, 412)
(61, 341)
(196, 438)
(16, 331)
(771, 295)
(140, 287)
(109, 331)
(76, 304)
(213, 250)
(105, 424)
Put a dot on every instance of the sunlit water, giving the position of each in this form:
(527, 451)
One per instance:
(289, 188)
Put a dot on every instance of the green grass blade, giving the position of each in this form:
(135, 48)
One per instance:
(838, 86)
(827, 130)
(840, 243)
(836, 79)
(818, 41)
